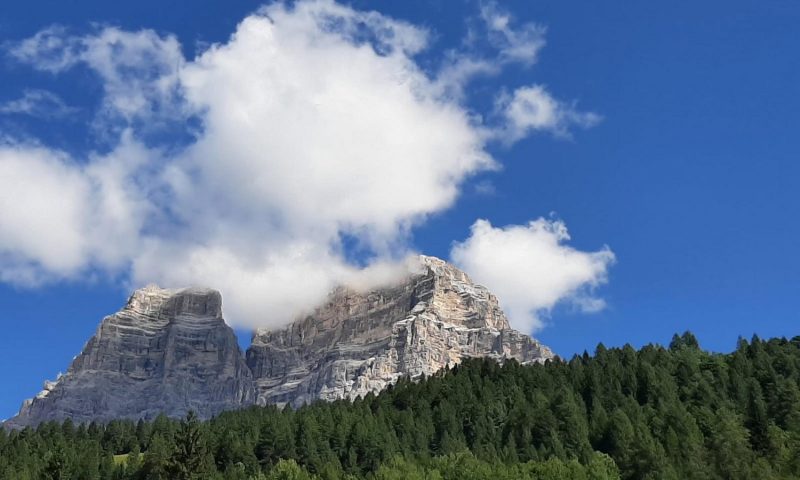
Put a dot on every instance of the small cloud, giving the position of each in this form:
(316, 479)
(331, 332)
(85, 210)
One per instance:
(51, 50)
(485, 187)
(531, 269)
(508, 44)
(532, 108)
(138, 69)
(516, 44)
(38, 103)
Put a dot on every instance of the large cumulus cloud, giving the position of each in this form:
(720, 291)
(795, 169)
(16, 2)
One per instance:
(313, 127)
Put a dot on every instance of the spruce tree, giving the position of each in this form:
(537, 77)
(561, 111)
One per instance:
(190, 458)
(157, 458)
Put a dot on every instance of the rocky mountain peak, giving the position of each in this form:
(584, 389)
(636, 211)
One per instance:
(166, 351)
(170, 351)
(458, 299)
(160, 303)
(360, 342)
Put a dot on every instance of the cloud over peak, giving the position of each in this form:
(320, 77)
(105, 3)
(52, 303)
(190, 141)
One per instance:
(311, 124)
(531, 269)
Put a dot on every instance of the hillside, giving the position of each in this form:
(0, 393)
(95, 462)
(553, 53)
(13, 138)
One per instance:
(676, 412)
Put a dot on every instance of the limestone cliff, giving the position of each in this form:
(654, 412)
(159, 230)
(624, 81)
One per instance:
(361, 342)
(170, 351)
(166, 351)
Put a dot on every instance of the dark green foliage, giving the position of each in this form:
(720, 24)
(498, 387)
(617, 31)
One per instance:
(190, 459)
(157, 458)
(656, 413)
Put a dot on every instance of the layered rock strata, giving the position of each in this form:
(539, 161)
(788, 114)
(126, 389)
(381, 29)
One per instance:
(170, 351)
(358, 343)
(166, 351)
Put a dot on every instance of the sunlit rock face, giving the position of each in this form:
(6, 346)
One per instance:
(170, 351)
(166, 351)
(358, 343)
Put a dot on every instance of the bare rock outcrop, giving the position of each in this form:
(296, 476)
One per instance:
(358, 343)
(170, 351)
(166, 351)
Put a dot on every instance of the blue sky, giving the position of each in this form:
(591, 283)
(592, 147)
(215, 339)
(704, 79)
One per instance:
(689, 178)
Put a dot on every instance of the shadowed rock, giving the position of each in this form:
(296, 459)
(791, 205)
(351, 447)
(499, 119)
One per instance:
(170, 351)
(166, 351)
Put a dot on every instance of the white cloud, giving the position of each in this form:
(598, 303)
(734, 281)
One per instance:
(532, 108)
(367, 148)
(138, 73)
(298, 150)
(41, 217)
(485, 187)
(317, 124)
(51, 50)
(37, 103)
(531, 269)
(57, 217)
(511, 44)
(521, 44)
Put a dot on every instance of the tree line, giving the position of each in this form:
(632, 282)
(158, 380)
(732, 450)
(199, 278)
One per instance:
(657, 413)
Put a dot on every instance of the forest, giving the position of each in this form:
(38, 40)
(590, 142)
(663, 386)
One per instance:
(675, 412)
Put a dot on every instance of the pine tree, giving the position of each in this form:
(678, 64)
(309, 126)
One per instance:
(622, 441)
(190, 459)
(288, 470)
(134, 462)
(157, 459)
(731, 447)
(757, 418)
(56, 463)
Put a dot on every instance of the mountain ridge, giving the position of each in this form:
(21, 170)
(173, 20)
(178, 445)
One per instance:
(170, 350)
(356, 343)
(159, 353)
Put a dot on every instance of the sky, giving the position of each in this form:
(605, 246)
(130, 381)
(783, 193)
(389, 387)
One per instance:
(614, 174)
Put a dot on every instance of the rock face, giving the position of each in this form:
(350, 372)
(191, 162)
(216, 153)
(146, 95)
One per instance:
(361, 342)
(166, 351)
(170, 351)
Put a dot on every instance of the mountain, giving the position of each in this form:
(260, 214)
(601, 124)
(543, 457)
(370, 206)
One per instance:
(170, 351)
(166, 351)
(358, 343)
(674, 412)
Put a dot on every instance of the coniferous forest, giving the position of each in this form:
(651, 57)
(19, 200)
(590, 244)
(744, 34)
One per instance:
(656, 413)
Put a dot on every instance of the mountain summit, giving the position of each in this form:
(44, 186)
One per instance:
(170, 351)
(166, 351)
(358, 343)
